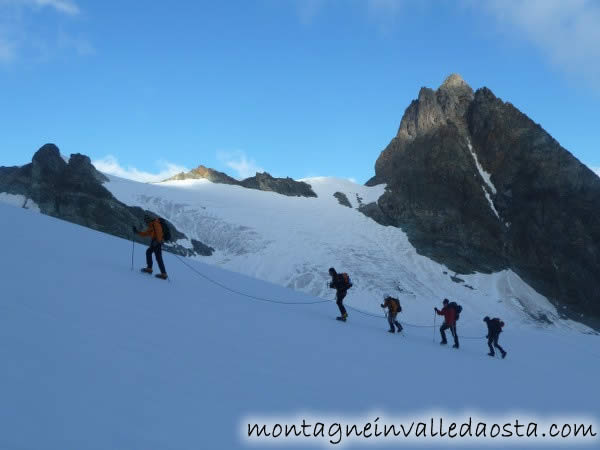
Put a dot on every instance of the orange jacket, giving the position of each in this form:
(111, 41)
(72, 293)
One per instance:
(154, 230)
(388, 303)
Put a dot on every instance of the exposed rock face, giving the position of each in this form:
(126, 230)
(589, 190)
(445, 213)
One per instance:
(205, 173)
(285, 186)
(478, 186)
(73, 191)
(261, 182)
(342, 199)
(202, 249)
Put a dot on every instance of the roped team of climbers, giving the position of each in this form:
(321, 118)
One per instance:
(341, 283)
(450, 310)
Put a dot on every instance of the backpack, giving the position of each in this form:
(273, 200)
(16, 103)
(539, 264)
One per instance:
(346, 280)
(457, 308)
(165, 229)
(397, 302)
(499, 322)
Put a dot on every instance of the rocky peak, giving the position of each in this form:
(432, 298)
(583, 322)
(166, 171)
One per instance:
(433, 110)
(449, 102)
(454, 81)
(81, 167)
(74, 192)
(454, 97)
(47, 161)
(480, 187)
(49, 166)
(260, 181)
(203, 172)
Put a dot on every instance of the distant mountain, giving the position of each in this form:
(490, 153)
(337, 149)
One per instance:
(480, 187)
(202, 172)
(261, 181)
(74, 191)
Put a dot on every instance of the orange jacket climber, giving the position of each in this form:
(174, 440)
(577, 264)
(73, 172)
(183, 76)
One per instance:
(154, 230)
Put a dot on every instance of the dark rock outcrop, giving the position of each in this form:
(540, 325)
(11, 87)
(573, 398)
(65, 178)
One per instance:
(74, 192)
(478, 186)
(342, 199)
(285, 186)
(374, 211)
(202, 249)
(261, 182)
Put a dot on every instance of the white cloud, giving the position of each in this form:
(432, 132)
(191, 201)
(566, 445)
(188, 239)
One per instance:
(68, 7)
(238, 161)
(567, 32)
(21, 37)
(110, 165)
(64, 6)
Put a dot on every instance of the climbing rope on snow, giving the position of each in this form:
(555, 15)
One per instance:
(280, 302)
(234, 291)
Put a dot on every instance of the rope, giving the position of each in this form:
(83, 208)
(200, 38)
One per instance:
(364, 313)
(269, 300)
(254, 297)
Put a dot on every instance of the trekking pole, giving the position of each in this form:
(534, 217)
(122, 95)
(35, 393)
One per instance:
(433, 337)
(132, 249)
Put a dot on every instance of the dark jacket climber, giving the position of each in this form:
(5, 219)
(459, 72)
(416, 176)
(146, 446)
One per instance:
(449, 314)
(341, 286)
(494, 329)
(155, 232)
(393, 306)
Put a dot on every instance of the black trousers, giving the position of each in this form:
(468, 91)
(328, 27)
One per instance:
(339, 295)
(156, 248)
(452, 329)
(392, 321)
(493, 339)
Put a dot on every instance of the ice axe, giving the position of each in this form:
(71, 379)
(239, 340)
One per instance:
(434, 317)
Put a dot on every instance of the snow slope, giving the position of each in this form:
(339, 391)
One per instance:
(96, 356)
(292, 241)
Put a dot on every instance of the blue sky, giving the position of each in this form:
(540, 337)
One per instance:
(294, 87)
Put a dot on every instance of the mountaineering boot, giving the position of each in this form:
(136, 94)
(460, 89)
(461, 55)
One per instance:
(343, 317)
(455, 346)
(491, 354)
(162, 276)
(399, 327)
(443, 342)
(503, 355)
(391, 331)
(147, 270)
